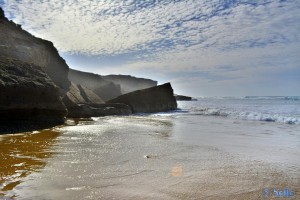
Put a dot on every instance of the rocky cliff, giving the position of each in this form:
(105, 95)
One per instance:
(129, 83)
(155, 99)
(111, 86)
(18, 44)
(34, 79)
(103, 88)
(21, 45)
(27, 94)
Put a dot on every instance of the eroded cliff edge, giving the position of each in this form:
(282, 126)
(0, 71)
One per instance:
(19, 44)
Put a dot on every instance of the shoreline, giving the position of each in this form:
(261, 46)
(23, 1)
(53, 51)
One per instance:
(136, 157)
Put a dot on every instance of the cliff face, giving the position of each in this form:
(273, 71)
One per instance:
(111, 86)
(78, 94)
(130, 83)
(21, 45)
(103, 88)
(28, 94)
(156, 99)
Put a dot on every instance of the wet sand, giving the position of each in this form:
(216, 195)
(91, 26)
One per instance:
(148, 157)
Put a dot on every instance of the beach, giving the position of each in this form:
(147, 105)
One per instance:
(154, 156)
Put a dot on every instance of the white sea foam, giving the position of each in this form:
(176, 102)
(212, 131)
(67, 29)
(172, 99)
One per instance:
(271, 109)
(247, 115)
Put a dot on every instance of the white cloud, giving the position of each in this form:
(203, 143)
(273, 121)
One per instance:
(170, 36)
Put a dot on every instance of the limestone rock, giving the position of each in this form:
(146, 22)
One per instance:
(98, 110)
(155, 99)
(103, 88)
(111, 86)
(130, 83)
(28, 94)
(83, 103)
(21, 45)
(108, 91)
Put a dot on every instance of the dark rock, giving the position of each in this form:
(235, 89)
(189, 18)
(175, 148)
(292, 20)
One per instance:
(155, 99)
(98, 110)
(21, 45)
(27, 94)
(182, 98)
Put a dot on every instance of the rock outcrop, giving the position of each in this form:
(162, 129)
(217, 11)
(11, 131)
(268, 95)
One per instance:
(27, 94)
(130, 83)
(78, 94)
(108, 91)
(103, 88)
(111, 86)
(182, 98)
(36, 85)
(98, 110)
(18, 44)
(83, 102)
(155, 99)
(21, 45)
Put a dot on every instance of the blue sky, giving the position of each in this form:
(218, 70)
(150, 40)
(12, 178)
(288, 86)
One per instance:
(203, 47)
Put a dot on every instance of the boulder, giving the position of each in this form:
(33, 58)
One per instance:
(27, 94)
(155, 99)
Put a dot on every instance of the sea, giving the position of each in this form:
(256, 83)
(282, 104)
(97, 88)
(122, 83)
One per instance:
(278, 109)
(210, 148)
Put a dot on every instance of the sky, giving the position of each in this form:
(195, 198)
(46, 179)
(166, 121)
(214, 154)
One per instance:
(203, 47)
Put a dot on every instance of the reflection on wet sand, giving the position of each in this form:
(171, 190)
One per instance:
(22, 154)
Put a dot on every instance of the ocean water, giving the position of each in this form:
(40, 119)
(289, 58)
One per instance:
(280, 109)
(213, 148)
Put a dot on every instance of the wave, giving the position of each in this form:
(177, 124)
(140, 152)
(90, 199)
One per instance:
(293, 98)
(254, 116)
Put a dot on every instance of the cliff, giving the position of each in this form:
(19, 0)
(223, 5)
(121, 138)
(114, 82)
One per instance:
(103, 88)
(21, 45)
(83, 102)
(155, 99)
(35, 85)
(18, 44)
(129, 83)
(27, 95)
(111, 86)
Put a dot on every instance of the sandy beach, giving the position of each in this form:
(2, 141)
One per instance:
(152, 157)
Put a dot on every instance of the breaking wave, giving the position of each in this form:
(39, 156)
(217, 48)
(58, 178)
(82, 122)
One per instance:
(254, 116)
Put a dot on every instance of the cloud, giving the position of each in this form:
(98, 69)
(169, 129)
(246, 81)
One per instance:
(212, 40)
